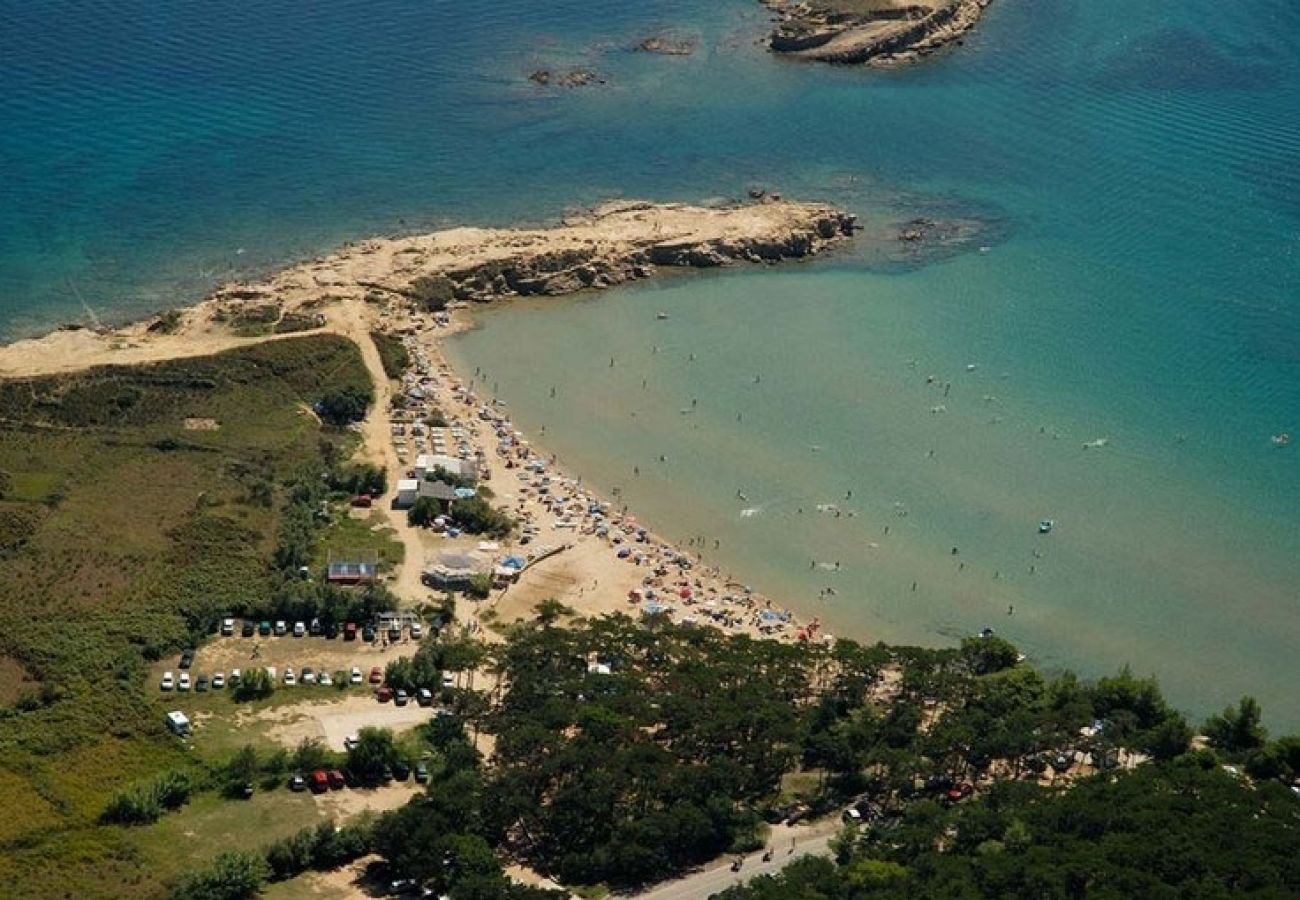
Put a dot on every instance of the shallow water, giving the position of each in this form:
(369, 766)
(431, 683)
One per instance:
(1139, 189)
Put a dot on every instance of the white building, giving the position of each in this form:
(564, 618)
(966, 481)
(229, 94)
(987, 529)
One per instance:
(461, 468)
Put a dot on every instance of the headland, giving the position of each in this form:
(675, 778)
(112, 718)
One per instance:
(581, 550)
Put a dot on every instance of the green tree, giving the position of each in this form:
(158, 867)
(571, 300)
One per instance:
(254, 684)
(370, 759)
(1238, 729)
(345, 405)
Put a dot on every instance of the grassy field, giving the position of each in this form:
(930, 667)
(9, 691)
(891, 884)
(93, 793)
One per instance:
(123, 531)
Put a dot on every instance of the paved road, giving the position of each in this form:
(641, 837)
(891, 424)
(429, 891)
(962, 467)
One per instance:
(700, 885)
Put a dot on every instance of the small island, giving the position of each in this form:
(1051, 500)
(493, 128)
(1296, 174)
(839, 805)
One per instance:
(876, 32)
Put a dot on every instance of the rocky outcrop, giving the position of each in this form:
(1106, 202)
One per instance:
(816, 30)
(556, 272)
(571, 79)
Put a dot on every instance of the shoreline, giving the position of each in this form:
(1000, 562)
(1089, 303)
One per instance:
(894, 34)
(610, 563)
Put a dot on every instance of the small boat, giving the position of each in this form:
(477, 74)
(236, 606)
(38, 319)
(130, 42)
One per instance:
(1281, 440)
(661, 315)
(1045, 526)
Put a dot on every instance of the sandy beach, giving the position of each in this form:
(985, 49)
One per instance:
(585, 551)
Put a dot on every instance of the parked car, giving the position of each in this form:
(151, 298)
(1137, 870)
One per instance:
(289, 678)
(351, 741)
(376, 675)
(264, 628)
(368, 634)
(315, 629)
(401, 771)
(424, 697)
(331, 631)
(448, 680)
(394, 633)
(248, 630)
(187, 659)
(201, 684)
(299, 629)
(308, 675)
(421, 773)
(400, 697)
(384, 694)
(168, 681)
(227, 627)
(355, 677)
(218, 681)
(417, 631)
(959, 791)
(281, 628)
(320, 781)
(325, 679)
(337, 781)
(350, 631)
(183, 683)
(297, 783)
(235, 676)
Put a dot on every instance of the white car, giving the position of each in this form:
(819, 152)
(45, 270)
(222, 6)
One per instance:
(227, 627)
(448, 680)
(356, 677)
(325, 680)
(183, 683)
(351, 741)
(417, 631)
(235, 676)
(299, 629)
(168, 681)
(218, 681)
(308, 675)
(281, 628)
(289, 678)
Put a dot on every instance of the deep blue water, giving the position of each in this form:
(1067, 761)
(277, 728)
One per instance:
(1136, 169)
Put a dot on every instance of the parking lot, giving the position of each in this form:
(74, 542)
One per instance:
(223, 654)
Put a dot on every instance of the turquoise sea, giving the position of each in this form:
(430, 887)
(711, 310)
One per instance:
(1129, 180)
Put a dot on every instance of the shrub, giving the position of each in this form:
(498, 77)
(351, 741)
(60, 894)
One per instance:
(477, 516)
(255, 684)
(392, 353)
(372, 755)
(344, 406)
(231, 876)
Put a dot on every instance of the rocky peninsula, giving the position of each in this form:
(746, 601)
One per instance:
(592, 249)
(875, 32)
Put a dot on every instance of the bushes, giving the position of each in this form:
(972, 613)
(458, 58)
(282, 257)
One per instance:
(432, 293)
(360, 478)
(321, 848)
(254, 684)
(344, 406)
(371, 757)
(477, 516)
(424, 511)
(392, 353)
(232, 876)
(145, 804)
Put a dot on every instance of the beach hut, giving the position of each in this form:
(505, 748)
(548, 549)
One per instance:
(408, 491)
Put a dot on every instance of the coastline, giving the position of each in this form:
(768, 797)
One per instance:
(892, 34)
(603, 560)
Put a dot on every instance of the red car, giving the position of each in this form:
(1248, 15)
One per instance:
(320, 781)
(384, 694)
(959, 792)
(336, 779)
(376, 675)
(350, 631)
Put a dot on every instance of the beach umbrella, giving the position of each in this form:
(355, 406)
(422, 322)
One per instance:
(684, 593)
